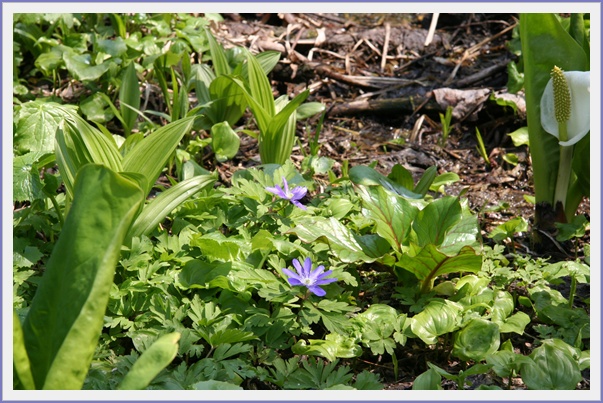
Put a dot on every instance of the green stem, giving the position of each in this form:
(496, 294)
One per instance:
(565, 168)
(572, 291)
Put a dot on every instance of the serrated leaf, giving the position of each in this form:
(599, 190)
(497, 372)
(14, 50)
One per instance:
(27, 184)
(215, 246)
(36, 124)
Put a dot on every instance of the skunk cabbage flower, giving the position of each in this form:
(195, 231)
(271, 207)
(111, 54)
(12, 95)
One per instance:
(293, 195)
(306, 277)
(566, 98)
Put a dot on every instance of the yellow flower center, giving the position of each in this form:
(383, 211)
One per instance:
(562, 95)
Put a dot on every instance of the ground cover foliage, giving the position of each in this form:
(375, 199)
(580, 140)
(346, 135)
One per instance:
(138, 263)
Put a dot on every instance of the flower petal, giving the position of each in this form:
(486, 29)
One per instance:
(298, 192)
(579, 122)
(323, 281)
(298, 267)
(316, 273)
(291, 274)
(298, 204)
(316, 290)
(307, 268)
(286, 188)
(277, 191)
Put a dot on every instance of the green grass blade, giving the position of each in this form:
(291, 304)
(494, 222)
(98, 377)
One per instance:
(65, 319)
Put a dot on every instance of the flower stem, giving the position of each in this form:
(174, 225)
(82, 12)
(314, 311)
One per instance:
(565, 169)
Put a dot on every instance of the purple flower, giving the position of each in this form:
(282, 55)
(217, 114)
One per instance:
(293, 195)
(307, 277)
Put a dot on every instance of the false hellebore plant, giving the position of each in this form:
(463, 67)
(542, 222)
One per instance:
(308, 277)
(565, 113)
(293, 195)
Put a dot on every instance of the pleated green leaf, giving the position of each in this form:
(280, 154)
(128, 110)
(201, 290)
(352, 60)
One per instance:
(156, 211)
(129, 98)
(149, 156)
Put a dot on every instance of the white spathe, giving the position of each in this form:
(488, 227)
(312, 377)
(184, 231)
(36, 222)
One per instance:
(579, 122)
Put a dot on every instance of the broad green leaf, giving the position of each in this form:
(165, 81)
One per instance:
(159, 208)
(81, 68)
(342, 241)
(215, 246)
(224, 141)
(114, 47)
(66, 315)
(428, 380)
(96, 109)
(476, 340)
(520, 137)
(228, 102)
(392, 214)
(21, 363)
(430, 263)
(437, 318)
(160, 145)
(445, 179)
(401, 176)
(50, 61)
(335, 346)
(508, 229)
(200, 274)
(433, 221)
(466, 232)
(129, 95)
(308, 110)
(551, 368)
(515, 323)
(36, 124)
(161, 353)
(366, 176)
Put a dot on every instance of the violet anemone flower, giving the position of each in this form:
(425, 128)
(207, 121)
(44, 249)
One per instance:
(293, 195)
(309, 278)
